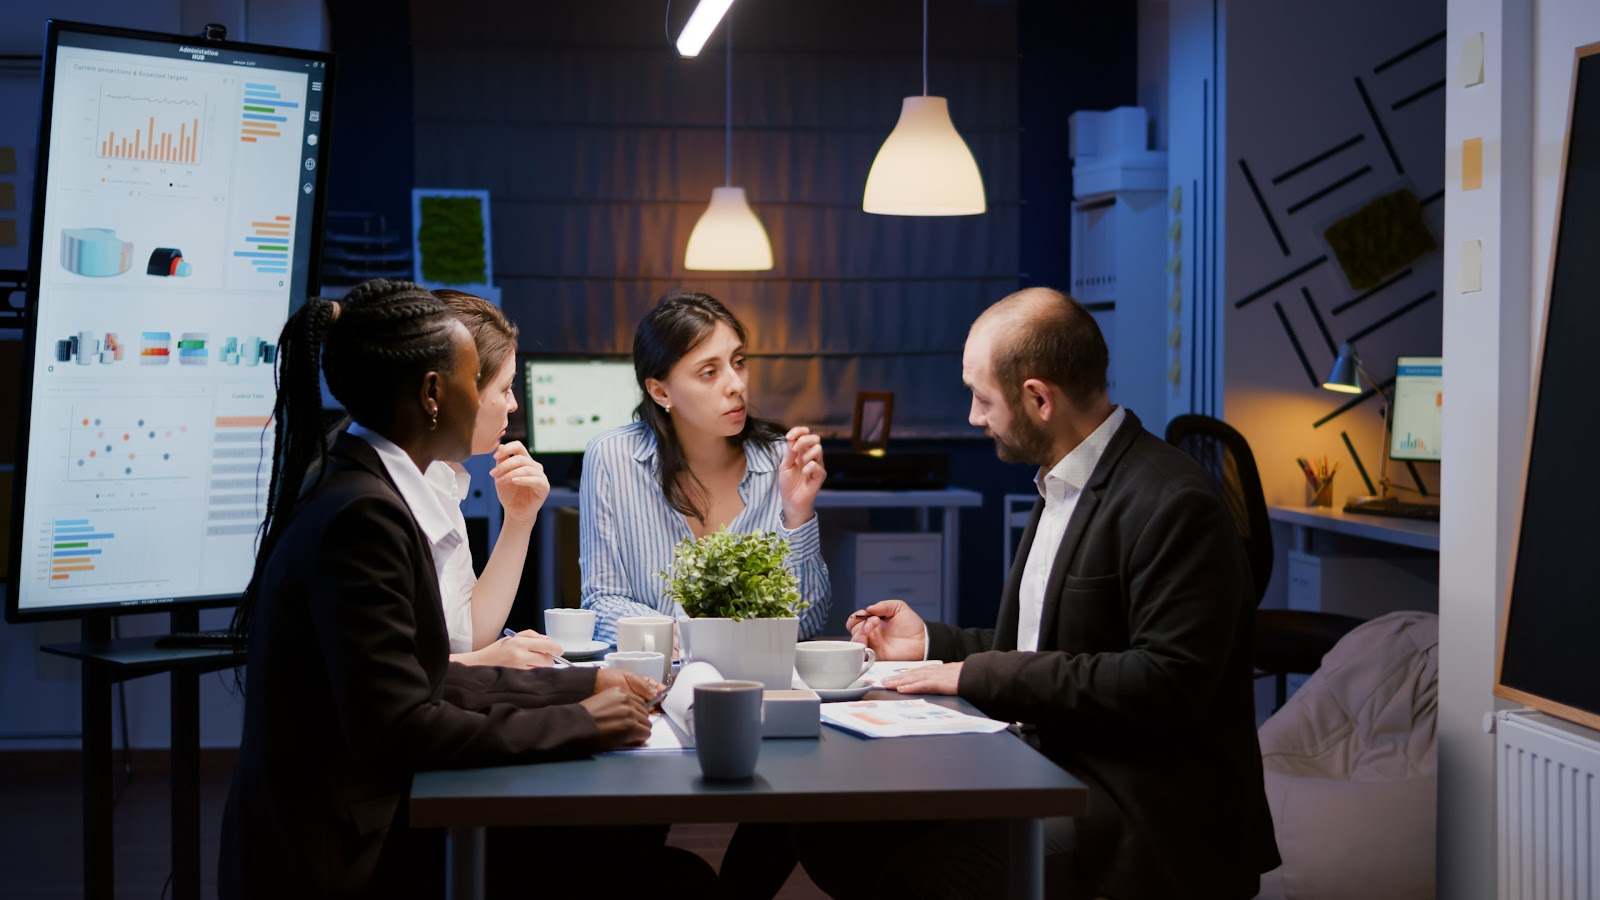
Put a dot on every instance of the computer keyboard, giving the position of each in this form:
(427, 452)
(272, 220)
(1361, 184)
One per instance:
(203, 639)
(1398, 509)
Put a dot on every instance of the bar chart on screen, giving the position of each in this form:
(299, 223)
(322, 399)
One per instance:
(137, 122)
(263, 112)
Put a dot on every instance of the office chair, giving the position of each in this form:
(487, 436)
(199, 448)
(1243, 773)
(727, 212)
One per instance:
(1286, 640)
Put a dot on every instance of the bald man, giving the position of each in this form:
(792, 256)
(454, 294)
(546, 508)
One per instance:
(1122, 645)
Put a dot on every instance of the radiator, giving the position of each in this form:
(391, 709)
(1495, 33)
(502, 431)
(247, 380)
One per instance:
(1548, 819)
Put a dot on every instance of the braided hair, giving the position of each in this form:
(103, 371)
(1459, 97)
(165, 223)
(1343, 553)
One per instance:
(678, 323)
(372, 347)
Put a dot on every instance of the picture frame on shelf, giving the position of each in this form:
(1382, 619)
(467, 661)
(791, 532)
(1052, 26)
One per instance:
(869, 432)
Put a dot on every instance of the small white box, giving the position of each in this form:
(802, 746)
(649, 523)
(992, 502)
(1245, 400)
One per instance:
(793, 713)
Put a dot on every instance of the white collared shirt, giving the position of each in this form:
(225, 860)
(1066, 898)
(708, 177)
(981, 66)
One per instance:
(427, 507)
(1061, 487)
(451, 481)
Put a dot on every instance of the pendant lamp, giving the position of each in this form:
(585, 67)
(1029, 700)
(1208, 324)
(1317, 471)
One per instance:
(728, 237)
(924, 168)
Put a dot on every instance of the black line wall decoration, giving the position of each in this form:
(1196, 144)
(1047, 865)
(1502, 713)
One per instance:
(1393, 280)
(1320, 157)
(1383, 133)
(1266, 213)
(1356, 457)
(1407, 53)
(1260, 292)
(1386, 320)
(1328, 190)
(1333, 348)
(1294, 341)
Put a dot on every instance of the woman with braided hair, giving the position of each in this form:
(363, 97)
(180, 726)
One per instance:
(349, 689)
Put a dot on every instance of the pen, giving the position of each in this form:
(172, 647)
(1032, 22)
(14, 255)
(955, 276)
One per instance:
(656, 700)
(863, 614)
(558, 660)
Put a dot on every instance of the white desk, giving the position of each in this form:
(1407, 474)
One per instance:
(950, 500)
(1307, 520)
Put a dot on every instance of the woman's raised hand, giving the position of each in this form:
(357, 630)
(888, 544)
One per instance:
(800, 476)
(520, 482)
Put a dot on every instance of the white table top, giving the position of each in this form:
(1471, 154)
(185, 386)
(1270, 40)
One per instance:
(1388, 529)
(949, 497)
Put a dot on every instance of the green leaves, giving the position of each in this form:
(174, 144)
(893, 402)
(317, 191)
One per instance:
(733, 576)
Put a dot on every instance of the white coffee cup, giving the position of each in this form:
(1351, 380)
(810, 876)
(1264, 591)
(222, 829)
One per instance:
(832, 665)
(651, 634)
(569, 627)
(640, 662)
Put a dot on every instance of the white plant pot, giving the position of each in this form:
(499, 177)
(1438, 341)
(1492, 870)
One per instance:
(746, 649)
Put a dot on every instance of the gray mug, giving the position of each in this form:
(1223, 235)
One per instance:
(727, 728)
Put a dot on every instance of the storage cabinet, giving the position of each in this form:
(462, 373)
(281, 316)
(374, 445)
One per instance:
(865, 567)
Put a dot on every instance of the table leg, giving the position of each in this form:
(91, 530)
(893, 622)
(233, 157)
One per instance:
(464, 855)
(547, 564)
(952, 550)
(98, 864)
(185, 785)
(1027, 859)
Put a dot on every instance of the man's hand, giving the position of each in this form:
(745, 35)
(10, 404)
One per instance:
(927, 680)
(800, 476)
(891, 629)
(523, 650)
(520, 483)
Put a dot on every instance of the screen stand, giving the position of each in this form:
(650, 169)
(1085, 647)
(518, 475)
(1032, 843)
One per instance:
(105, 663)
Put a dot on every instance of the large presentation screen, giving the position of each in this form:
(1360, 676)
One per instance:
(178, 198)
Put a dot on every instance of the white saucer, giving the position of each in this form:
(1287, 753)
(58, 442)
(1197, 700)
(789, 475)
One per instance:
(584, 650)
(854, 692)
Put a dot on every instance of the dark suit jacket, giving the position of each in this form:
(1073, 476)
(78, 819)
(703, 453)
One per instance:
(1141, 686)
(349, 691)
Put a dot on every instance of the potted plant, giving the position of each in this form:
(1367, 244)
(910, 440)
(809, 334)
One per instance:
(742, 603)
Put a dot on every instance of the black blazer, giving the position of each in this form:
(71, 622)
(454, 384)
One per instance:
(350, 690)
(1142, 685)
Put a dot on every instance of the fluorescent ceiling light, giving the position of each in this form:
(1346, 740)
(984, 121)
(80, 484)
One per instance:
(701, 23)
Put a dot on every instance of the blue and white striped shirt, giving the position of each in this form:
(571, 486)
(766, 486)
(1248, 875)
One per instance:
(627, 530)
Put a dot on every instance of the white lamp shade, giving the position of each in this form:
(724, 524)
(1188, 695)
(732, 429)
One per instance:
(728, 237)
(924, 168)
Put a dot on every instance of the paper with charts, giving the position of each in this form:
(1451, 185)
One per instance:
(904, 718)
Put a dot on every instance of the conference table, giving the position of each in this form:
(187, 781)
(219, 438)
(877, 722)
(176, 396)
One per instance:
(837, 777)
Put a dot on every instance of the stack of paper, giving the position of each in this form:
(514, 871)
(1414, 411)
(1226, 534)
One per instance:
(904, 718)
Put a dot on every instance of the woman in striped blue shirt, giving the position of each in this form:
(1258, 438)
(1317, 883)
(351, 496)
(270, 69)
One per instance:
(696, 460)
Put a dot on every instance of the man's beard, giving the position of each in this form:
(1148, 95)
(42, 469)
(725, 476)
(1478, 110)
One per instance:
(1027, 443)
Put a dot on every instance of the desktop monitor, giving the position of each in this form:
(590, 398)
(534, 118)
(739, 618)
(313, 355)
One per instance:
(569, 401)
(178, 196)
(1414, 428)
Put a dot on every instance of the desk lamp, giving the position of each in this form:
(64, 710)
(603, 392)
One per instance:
(1345, 378)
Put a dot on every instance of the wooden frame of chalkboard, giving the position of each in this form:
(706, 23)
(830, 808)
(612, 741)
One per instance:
(1553, 599)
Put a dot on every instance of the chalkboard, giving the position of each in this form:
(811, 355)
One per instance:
(1552, 622)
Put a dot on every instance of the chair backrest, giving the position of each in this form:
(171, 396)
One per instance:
(1225, 455)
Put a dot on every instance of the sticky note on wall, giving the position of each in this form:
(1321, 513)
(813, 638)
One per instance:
(1471, 71)
(1471, 164)
(1470, 278)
